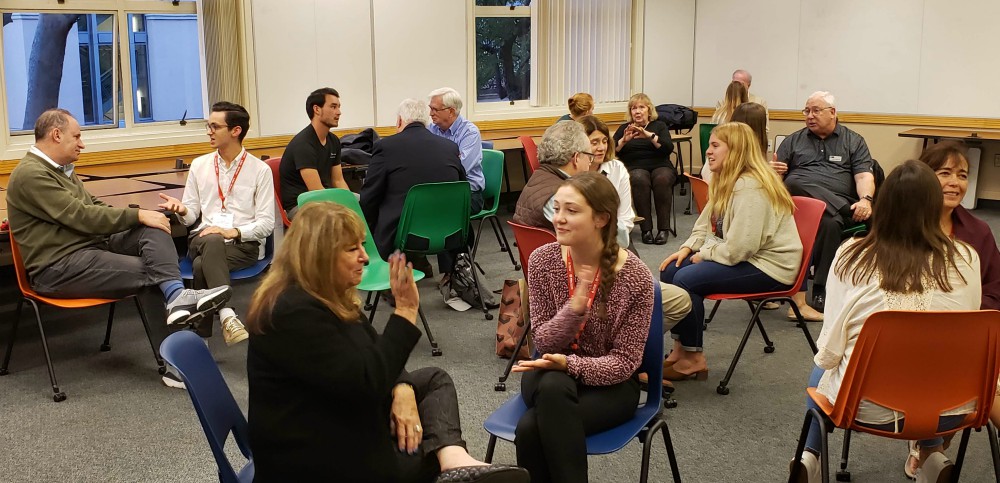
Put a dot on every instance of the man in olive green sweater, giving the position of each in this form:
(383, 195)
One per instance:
(75, 246)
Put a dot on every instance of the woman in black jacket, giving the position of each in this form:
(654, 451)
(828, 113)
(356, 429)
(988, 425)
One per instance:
(643, 144)
(329, 397)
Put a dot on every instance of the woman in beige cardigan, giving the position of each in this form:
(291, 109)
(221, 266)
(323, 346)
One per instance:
(745, 241)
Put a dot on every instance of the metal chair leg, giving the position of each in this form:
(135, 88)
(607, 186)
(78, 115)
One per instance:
(489, 449)
(106, 345)
(368, 301)
(371, 313)
(505, 245)
(768, 345)
(723, 385)
(802, 324)
(960, 458)
(991, 432)
(711, 314)
(671, 457)
(161, 367)
(475, 280)
(13, 335)
(57, 395)
(842, 473)
(435, 351)
(478, 234)
(501, 385)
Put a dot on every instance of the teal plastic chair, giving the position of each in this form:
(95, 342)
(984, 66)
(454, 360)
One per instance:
(493, 172)
(375, 278)
(704, 132)
(435, 219)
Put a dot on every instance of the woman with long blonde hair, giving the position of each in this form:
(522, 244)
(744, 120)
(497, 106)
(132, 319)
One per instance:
(327, 391)
(745, 241)
(736, 95)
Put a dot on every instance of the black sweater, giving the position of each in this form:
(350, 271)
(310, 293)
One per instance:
(320, 394)
(640, 153)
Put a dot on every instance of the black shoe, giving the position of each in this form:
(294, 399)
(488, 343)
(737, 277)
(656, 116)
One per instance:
(484, 474)
(647, 237)
(420, 263)
(819, 298)
(661, 238)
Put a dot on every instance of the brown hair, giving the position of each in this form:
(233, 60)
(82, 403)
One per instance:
(938, 154)
(307, 259)
(51, 119)
(580, 104)
(591, 124)
(755, 116)
(602, 197)
(636, 99)
(905, 245)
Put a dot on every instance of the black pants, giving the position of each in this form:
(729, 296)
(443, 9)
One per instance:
(446, 260)
(134, 262)
(437, 404)
(659, 181)
(551, 436)
(211, 261)
(828, 240)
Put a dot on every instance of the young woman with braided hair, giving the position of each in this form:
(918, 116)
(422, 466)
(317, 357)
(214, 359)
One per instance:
(591, 303)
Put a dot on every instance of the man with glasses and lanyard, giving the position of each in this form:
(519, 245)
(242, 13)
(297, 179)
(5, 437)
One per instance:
(232, 193)
(828, 162)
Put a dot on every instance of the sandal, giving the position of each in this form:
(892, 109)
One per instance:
(911, 470)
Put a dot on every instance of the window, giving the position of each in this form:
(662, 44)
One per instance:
(125, 64)
(503, 50)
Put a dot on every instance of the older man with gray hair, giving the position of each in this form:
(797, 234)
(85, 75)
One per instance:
(412, 156)
(831, 163)
(447, 122)
(563, 152)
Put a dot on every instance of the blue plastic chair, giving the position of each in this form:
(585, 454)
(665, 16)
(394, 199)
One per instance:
(648, 417)
(487, 144)
(217, 409)
(187, 270)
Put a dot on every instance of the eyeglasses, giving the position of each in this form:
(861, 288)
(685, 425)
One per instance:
(212, 127)
(435, 109)
(814, 111)
(593, 157)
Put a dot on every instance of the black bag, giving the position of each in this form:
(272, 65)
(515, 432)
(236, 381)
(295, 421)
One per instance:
(463, 283)
(364, 140)
(677, 117)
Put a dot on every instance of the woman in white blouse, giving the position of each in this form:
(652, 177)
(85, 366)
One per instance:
(603, 147)
(930, 271)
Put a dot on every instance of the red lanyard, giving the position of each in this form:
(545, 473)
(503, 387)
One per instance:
(571, 280)
(218, 183)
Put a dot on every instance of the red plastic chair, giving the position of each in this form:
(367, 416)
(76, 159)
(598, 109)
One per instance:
(808, 212)
(699, 189)
(528, 239)
(33, 298)
(275, 165)
(530, 151)
(889, 366)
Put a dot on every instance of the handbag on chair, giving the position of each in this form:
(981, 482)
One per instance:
(512, 319)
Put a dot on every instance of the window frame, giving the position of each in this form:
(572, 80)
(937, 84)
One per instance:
(112, 137)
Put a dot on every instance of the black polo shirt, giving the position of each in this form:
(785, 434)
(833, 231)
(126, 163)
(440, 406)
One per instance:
(828, 164)
(305, 151)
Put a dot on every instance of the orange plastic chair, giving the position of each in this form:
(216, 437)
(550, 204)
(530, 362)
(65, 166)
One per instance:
(29, 295)
(808, 212)
(275, 165)
(530, 151)
(528, 238)
(699, 189)
(889, 367)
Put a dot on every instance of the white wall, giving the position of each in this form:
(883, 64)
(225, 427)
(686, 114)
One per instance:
(668, 51)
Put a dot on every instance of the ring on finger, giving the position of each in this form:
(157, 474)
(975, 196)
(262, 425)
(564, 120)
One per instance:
(418, 429)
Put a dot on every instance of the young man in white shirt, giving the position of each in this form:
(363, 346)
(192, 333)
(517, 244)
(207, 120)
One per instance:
(232, 192)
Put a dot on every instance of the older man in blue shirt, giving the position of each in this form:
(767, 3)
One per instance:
(445, 104)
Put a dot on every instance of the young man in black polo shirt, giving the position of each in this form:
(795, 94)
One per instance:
(311, 161)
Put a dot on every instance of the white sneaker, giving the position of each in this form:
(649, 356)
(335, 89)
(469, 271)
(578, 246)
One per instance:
(233, 331)
(171, 380)
(809, 469)
(191, 306)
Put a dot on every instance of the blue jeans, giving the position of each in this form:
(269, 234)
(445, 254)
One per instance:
(813, 441)
(705, 278)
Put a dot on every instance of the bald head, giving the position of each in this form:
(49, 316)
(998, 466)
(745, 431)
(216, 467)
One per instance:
(743, 77)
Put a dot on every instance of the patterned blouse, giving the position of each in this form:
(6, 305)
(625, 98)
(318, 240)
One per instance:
(610, 348)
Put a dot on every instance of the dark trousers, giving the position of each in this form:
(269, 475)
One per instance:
(659, 181)
(437, 404)
(551, 435)
(446, 260)
(828, 240)
(134, 262)
(211, 261)
(705, 278)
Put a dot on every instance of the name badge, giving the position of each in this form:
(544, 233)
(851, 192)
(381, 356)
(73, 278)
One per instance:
(835, 159)
(223, 220)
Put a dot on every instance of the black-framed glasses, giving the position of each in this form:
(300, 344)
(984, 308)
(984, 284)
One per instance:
(212, 127)
(814, 111)
(593, 157)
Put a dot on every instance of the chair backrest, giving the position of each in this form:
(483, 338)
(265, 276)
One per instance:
(529, 238)
(22, 274)
(699, 189)
(652, 354)
(530, 151)
(345, 198)
(493, 172)
(487, 144)
(777, 142)
(217, 409)
(435, 218)
(704, 132)
(808, 212)
(889, 366)
(275, 165)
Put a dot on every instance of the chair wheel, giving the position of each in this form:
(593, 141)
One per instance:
(500, 386)
(436, 352)
(722, 390)
(768, 349)
(4, 372)
(105, 347)
(843, 475)
(59, 397)
(517, 266)
(503, 249)
(162, 370)
(489, 316)
(368, 306)
(670, 403)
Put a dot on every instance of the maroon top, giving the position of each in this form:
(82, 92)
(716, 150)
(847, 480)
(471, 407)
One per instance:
(977, 233)
(610, 347)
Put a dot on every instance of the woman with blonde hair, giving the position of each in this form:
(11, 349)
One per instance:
(326, 391)
(736, 94)
(753, 115)
(643, 144)
(745, 241)
(580, 104)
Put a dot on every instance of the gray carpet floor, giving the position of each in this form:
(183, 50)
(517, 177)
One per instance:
(120, 424)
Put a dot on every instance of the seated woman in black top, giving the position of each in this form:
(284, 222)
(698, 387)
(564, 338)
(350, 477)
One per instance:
(329, 397)
(643, 145)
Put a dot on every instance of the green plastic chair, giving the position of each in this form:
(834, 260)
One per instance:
(705, 132)
(493, 172)
(435, 219)
(375, 278)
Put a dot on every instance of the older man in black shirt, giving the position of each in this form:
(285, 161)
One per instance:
(829, 162)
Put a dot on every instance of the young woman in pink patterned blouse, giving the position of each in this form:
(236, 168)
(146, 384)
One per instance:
(591, 303)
